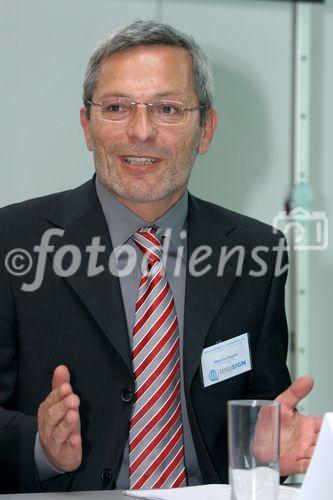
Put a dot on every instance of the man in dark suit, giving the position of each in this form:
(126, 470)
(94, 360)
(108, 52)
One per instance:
(147, 113)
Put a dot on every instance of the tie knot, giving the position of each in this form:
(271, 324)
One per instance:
(149, 240)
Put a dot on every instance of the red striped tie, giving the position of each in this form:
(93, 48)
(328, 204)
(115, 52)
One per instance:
(156, 430)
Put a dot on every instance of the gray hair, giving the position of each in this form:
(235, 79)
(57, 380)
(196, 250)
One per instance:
(150, 32)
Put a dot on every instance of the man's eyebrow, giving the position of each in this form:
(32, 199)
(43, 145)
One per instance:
(106, 95)
(159, 95)
(172, 93)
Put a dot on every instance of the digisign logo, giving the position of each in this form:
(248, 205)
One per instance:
(213, 375)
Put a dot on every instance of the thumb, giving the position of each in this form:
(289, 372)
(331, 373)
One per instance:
(296, 392)
(60, 376)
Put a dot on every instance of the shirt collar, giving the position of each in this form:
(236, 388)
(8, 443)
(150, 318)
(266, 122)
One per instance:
(122, 222)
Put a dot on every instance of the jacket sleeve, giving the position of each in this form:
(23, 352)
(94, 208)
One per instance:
(270, 376)
(17, 430)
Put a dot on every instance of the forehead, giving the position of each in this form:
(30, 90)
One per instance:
(147, 70)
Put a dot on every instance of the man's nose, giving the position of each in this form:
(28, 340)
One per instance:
(141, 126)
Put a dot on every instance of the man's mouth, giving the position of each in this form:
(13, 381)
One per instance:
(140, 160)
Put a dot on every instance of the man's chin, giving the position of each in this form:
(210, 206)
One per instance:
(137, 194)
(141, 194)
(136, 197)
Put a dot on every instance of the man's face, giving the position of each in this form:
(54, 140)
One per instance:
(146, 74)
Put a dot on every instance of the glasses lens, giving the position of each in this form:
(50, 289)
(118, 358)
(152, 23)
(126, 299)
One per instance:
(120, 108)
(168, 112)
(116, 109)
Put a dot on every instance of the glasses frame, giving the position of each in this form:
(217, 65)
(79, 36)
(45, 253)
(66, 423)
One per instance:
(150, 108)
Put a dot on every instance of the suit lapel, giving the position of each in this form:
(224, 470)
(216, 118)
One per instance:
(204, 294)
(80, 215)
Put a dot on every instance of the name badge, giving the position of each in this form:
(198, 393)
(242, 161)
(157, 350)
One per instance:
(225, 360)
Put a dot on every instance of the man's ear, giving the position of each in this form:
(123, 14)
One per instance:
(208, 131)
(85, 123)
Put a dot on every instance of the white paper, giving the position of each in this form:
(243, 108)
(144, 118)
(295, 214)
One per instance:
(207, 492)
(191, 493)
(318, 481)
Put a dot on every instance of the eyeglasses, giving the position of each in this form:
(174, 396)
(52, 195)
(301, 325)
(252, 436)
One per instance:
(119, 109)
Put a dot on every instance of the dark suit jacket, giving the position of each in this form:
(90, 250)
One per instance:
(80, 322)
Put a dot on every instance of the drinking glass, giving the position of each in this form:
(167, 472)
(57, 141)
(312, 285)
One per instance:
(253, 441)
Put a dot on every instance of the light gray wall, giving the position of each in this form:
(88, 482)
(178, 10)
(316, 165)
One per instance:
(321, 263)
(44, 46)
(247, 166)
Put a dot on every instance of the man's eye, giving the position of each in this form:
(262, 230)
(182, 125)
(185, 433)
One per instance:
(169, 109)
(114, 108)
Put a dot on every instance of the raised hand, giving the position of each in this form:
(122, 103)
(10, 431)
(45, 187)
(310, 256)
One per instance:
(299, 432)
(59, 424)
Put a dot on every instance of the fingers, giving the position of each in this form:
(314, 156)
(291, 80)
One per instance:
(57, 412)
(307, 452)
(303, 466)
(317, 423)
(300, 467)
(73, 449)
(62, 432)
(59, 423)
(310, 451)
(61, 375)
(58, 394)
(296, 392)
